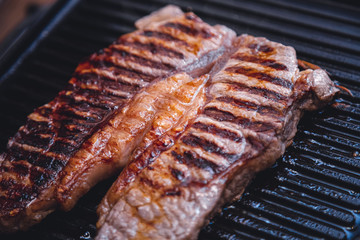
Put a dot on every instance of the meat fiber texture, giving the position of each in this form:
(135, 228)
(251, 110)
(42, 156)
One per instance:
(149, 115)
(253, 106)
(40, 168)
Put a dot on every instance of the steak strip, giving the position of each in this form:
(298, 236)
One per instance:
(171, 192)
(150, 114)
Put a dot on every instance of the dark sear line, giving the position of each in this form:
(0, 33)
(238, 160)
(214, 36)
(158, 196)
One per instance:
(73, 124)
(104, 81)
(208, 146)
(217, 131)
(51, 163)
(37, 175)
(191, 159)
(177, 174)
(263, 110)
(254, 73)
(54, 147)
(108, 91)
(78, 130)
(222, 116)
(40, 176)
(39, 127)
(33, 140)
(105, 64)
(261, 48)
(154, 48)
(69, 139)
(203, 33)
(264, 92)
(256, 59)
(64, 148)
(71, 104)
(69, 113)
(127, 56)
(41, 136)
(38, 159)
(45, 111)
(172, 192)
(19, 153)
(93, 102)
(21, 191)
(79, 115)
(164, 36)
(96, 96)
(19, 167)
(82, 110)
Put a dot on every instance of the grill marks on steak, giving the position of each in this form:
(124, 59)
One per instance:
(253, 73)
(260, 60)
(256, 117)
(177, 180)
(102, 84)
(150, 114)
(154, 47)
(241, 131)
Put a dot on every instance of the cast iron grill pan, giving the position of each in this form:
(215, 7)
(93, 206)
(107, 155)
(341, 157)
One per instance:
(313, 191)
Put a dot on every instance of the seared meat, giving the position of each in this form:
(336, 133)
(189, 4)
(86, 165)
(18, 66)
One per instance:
(150, 114)
(31, 168)
(255, 103)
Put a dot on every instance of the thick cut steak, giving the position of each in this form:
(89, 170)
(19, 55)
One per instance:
(32, 166)
(254, 105)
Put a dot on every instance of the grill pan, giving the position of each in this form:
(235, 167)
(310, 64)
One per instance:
(313, 191)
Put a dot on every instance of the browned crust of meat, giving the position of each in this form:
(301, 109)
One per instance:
(172, 193)
(152, 111)
(100, 86)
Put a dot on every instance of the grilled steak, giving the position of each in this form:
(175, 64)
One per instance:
(150, 114)
(254, 105)
(33, 163)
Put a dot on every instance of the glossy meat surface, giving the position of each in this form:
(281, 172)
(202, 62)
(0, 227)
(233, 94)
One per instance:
(254, 105)
(31, 167)
(150, 114)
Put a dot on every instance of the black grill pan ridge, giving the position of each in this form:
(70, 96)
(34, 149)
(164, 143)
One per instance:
(312, 192)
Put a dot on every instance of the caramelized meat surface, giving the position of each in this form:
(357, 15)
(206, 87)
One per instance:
(32, 166)
(254, 105)
(150, 114)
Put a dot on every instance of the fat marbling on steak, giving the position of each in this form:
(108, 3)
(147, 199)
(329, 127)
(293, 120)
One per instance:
(31, 168)
(254, 105)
